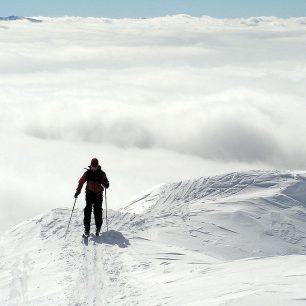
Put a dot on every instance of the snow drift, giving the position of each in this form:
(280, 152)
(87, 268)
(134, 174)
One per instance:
(234, 239)
(231, 216)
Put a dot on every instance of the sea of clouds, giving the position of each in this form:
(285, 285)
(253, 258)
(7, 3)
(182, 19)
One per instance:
(157, 100)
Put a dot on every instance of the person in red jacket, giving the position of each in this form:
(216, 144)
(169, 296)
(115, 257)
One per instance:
(96, 182)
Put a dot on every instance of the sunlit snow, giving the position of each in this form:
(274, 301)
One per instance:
(235, 239)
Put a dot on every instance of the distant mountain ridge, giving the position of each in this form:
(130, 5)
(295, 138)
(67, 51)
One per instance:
(14, 18)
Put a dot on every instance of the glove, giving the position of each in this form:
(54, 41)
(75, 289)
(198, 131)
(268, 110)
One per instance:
(106, 185)
(76, 195)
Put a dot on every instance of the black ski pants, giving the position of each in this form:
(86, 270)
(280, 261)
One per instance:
(93, 200)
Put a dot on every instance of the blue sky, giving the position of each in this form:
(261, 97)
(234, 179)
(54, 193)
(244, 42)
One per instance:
(151, 8)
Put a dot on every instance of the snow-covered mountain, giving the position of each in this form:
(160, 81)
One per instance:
(235, 239)
(14, 18)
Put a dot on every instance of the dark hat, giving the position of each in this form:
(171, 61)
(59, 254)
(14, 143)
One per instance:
(94, 162)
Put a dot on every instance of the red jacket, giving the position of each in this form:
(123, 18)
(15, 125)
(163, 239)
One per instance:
(96, 180)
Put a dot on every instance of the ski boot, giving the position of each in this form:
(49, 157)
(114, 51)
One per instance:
(98, 232)
(86, 233)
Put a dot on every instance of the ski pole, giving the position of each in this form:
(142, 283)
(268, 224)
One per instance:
(70, 217)
(106, 211)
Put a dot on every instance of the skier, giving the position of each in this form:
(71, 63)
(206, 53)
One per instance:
(96, 182)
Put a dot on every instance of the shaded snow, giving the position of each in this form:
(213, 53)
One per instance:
(234, 239)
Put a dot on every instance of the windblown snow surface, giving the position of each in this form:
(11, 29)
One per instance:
(234, 239)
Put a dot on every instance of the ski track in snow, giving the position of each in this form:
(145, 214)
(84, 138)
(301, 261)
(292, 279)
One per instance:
(234, 239)
(101, 275)
(18, 288)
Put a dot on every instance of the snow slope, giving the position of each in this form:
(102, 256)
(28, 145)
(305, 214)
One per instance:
(234, 239)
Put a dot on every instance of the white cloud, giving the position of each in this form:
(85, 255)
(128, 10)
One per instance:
(197, 91)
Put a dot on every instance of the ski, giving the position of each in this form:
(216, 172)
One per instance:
(85, 236)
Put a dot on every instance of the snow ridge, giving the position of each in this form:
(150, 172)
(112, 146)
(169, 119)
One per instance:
(238, 215)
(237, 239)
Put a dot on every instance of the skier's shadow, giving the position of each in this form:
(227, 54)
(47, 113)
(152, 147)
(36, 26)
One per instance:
(113, 238)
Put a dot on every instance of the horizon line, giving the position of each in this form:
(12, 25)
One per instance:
(152, 17)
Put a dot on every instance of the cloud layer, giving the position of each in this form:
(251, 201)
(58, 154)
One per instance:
(224, 91)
